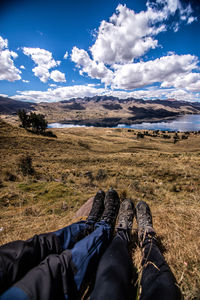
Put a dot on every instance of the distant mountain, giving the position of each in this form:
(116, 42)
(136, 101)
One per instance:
(10, 106)
(103, 110)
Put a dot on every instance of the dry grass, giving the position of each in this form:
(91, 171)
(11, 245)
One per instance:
(165, 175)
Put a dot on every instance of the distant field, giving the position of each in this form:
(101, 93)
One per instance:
(72, 167)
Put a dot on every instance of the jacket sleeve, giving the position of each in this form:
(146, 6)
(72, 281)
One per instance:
(18, 257)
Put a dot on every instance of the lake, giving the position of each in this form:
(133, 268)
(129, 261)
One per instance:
(183, 123)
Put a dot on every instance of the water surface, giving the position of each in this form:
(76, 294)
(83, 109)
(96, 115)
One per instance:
(183, 123)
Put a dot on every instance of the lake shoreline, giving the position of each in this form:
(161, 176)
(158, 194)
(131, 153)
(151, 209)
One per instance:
(113, 122)
(180, 123)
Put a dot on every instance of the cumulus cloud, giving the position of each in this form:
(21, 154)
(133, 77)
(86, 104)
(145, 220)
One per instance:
(66, 55)
(22, 67)
(57, 76)
(122, 40)
(164, 69)
(52, 85)
(90, 67)
(80, 91)
(190, 82)
(129, 35)
(60, 93)
(43, 60)
(169, 8)
(126, 36)
(157, 93)
(191, 20)
(26, 81)
(8, 71)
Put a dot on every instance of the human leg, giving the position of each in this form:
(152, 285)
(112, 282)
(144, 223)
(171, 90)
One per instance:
(18, 257)
(61, 276)
(108, 219)
(157, 281)
(114, 273)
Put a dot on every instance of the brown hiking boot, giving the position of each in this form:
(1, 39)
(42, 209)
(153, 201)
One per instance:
(111, 207)
(144, 221)
(97, 207)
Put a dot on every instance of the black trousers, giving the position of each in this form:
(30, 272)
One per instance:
(114, 273)
(52, 279)
(53, 266)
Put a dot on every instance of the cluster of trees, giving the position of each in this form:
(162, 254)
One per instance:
(33, 121)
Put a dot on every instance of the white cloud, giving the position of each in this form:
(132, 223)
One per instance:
(170, 7)
(164, 69)
(60, 93)
(157, 93)
(53, 85)
(3, 43)
(8, 71)
(190, 82)
(66, 55)
(191, 20)
(26, 81)
(129, 35)
(43, 60)
(58, 76)
(22, 67)
(80, 91)
(90, 67)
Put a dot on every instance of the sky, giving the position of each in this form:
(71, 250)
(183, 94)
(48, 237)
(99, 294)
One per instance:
(61, 49)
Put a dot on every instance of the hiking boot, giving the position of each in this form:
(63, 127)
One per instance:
(97, 207)
(126, 214)
(144, 221)
(111, 207)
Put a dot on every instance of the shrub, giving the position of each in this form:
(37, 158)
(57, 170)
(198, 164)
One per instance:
(140, 135)
(1, 183)
(89, 175)
(25, 165)
(8, 176)
(101, 174)
(84, 145)
(176, 137)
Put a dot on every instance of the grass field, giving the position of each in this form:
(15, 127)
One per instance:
(72, 167)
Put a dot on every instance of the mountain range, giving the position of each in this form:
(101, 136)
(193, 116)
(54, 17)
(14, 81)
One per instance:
(102, 110)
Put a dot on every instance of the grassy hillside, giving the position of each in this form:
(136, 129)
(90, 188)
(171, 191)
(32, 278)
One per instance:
(72, 167)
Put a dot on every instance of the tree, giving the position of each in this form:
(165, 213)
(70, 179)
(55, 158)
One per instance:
(36, 121)
(24, 118)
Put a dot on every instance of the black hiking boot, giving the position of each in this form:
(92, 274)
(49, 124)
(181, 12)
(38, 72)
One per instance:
(111, 207)
(97, 208)
(144, 221)
(126, 214)
(125, 219)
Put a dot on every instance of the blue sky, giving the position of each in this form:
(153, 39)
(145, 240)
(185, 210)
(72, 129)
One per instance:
(57, 50)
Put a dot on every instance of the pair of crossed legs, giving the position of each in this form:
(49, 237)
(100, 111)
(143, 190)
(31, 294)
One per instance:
(58, 265)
